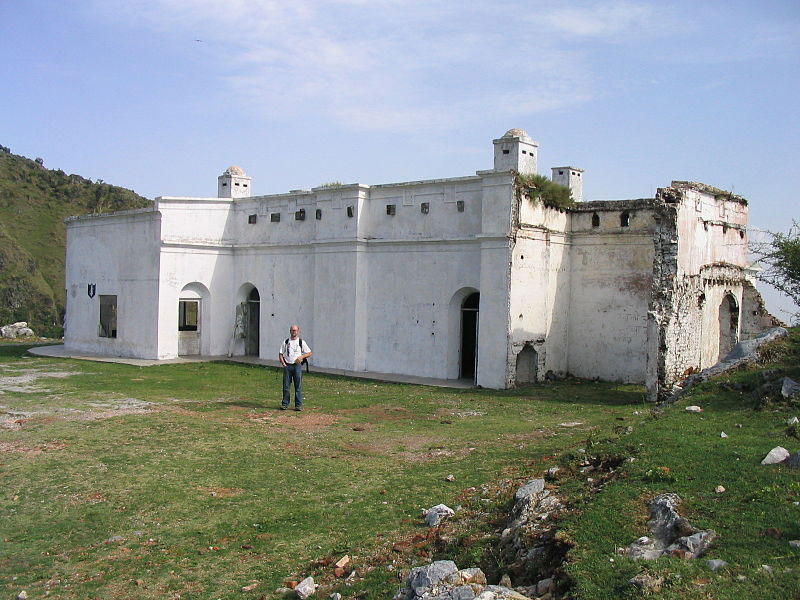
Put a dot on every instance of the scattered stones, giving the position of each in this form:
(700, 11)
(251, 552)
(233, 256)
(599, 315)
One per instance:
(15, 330)
(723, 435)
(442, 580)
(115, 539)
(694, 409)
(250, 587)
(23, 595)
(672, 535)
(645, 581)
(436, 514)
(532, 487)
(450, 478)
(789, 388)
(305, 588)
(570, 424)
(716, 563)
(776, 455)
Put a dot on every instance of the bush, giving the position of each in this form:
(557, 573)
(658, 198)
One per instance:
(538, 188)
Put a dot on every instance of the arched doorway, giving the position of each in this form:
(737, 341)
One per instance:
(728, 325)
(252, 337)
(527, 365)
(469, 336)
(192, 325)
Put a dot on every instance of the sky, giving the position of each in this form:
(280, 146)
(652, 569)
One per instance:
(160, 96)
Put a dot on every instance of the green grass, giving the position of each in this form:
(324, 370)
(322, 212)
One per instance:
(757, 498)
(347, 475)
(212, 488)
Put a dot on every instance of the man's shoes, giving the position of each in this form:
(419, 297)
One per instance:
(297, 408)
(284, 407)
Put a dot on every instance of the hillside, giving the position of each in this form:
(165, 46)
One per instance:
(34, 201)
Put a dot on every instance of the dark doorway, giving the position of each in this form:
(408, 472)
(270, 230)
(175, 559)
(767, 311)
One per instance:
(728, 325)
(469, 335)
(253, 313)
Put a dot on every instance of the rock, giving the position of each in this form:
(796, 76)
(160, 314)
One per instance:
(716, 563)
(305, 588)
(776, 455)
(552, 473)
(794, 544)
(115, 539)
(671, 534)
(545, 586)
(723, 435)
(694, 409)
(450, 478)
(436, 514)
(335, 596)
(532, 487)
(570, 424)
(462, 592)
(719, 489)
(792, 421)
(250, 588)
(505, 581)
(793, 461)
(342, 562)
(15, 330)
(23, 595)
(790, 388)
(767, 568)
(473, 575)
(339, 572)
(422, 578)
(645, 581)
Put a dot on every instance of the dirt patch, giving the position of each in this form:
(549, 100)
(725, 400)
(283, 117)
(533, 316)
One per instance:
(221, 492)
(23, 381)
(111, 408)
(379, 413)
(302, 421)
(30, 451)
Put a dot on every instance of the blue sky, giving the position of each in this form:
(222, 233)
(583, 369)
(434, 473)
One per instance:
(300, 93)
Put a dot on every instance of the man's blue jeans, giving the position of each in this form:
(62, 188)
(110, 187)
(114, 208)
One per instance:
(293, 371)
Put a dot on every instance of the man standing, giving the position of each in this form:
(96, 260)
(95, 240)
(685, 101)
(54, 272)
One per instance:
(293, 352)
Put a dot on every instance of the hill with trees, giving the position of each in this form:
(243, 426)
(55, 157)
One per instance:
(34, 201)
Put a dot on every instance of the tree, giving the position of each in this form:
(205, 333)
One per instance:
(779, 255)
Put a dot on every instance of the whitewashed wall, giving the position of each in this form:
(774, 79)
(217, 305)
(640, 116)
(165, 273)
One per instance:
(120, 255)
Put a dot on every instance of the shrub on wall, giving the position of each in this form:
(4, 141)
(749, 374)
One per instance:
(538, 188)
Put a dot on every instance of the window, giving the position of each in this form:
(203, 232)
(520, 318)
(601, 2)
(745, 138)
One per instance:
(224, 184)
(424, 208)
(318, 214)
(251, 219)
(350, 211)
(187, 315)
(625, 219)
(108, 317)
(460, 205)
(506, 151)
(300, 215)
(275, 217)
(391, 209)
(595, 220)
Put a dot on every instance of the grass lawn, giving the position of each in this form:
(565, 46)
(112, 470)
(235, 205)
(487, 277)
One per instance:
(185, 480)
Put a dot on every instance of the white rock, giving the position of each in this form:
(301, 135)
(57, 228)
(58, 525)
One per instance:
(723, 435)
(715, 564)
(336, 596)
(789, 388)
(776, 455)
(794, 544)
(719, 489)
(305, 588)
(22, 595)
(793, 421)
(436, 514)
(767, 568)
(570, 424)
(694, 409)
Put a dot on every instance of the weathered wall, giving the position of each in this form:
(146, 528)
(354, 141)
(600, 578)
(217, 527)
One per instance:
(119, 255)
(611, 271)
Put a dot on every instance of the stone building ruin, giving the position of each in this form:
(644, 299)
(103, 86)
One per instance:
(459, 278)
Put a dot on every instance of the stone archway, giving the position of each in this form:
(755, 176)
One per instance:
(193, 323)
(527, 365)
(728, 317)
(469, 336)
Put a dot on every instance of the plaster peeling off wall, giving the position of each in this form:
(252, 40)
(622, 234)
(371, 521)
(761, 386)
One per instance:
(755, 317)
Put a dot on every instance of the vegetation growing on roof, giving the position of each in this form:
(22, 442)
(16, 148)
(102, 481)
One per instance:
(538, 188)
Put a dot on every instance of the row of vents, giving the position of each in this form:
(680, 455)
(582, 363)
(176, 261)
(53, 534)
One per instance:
(391, 210)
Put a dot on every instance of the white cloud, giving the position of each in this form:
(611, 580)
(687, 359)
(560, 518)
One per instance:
(387, 64)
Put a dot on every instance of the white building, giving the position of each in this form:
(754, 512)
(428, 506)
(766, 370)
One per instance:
(445, 278)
